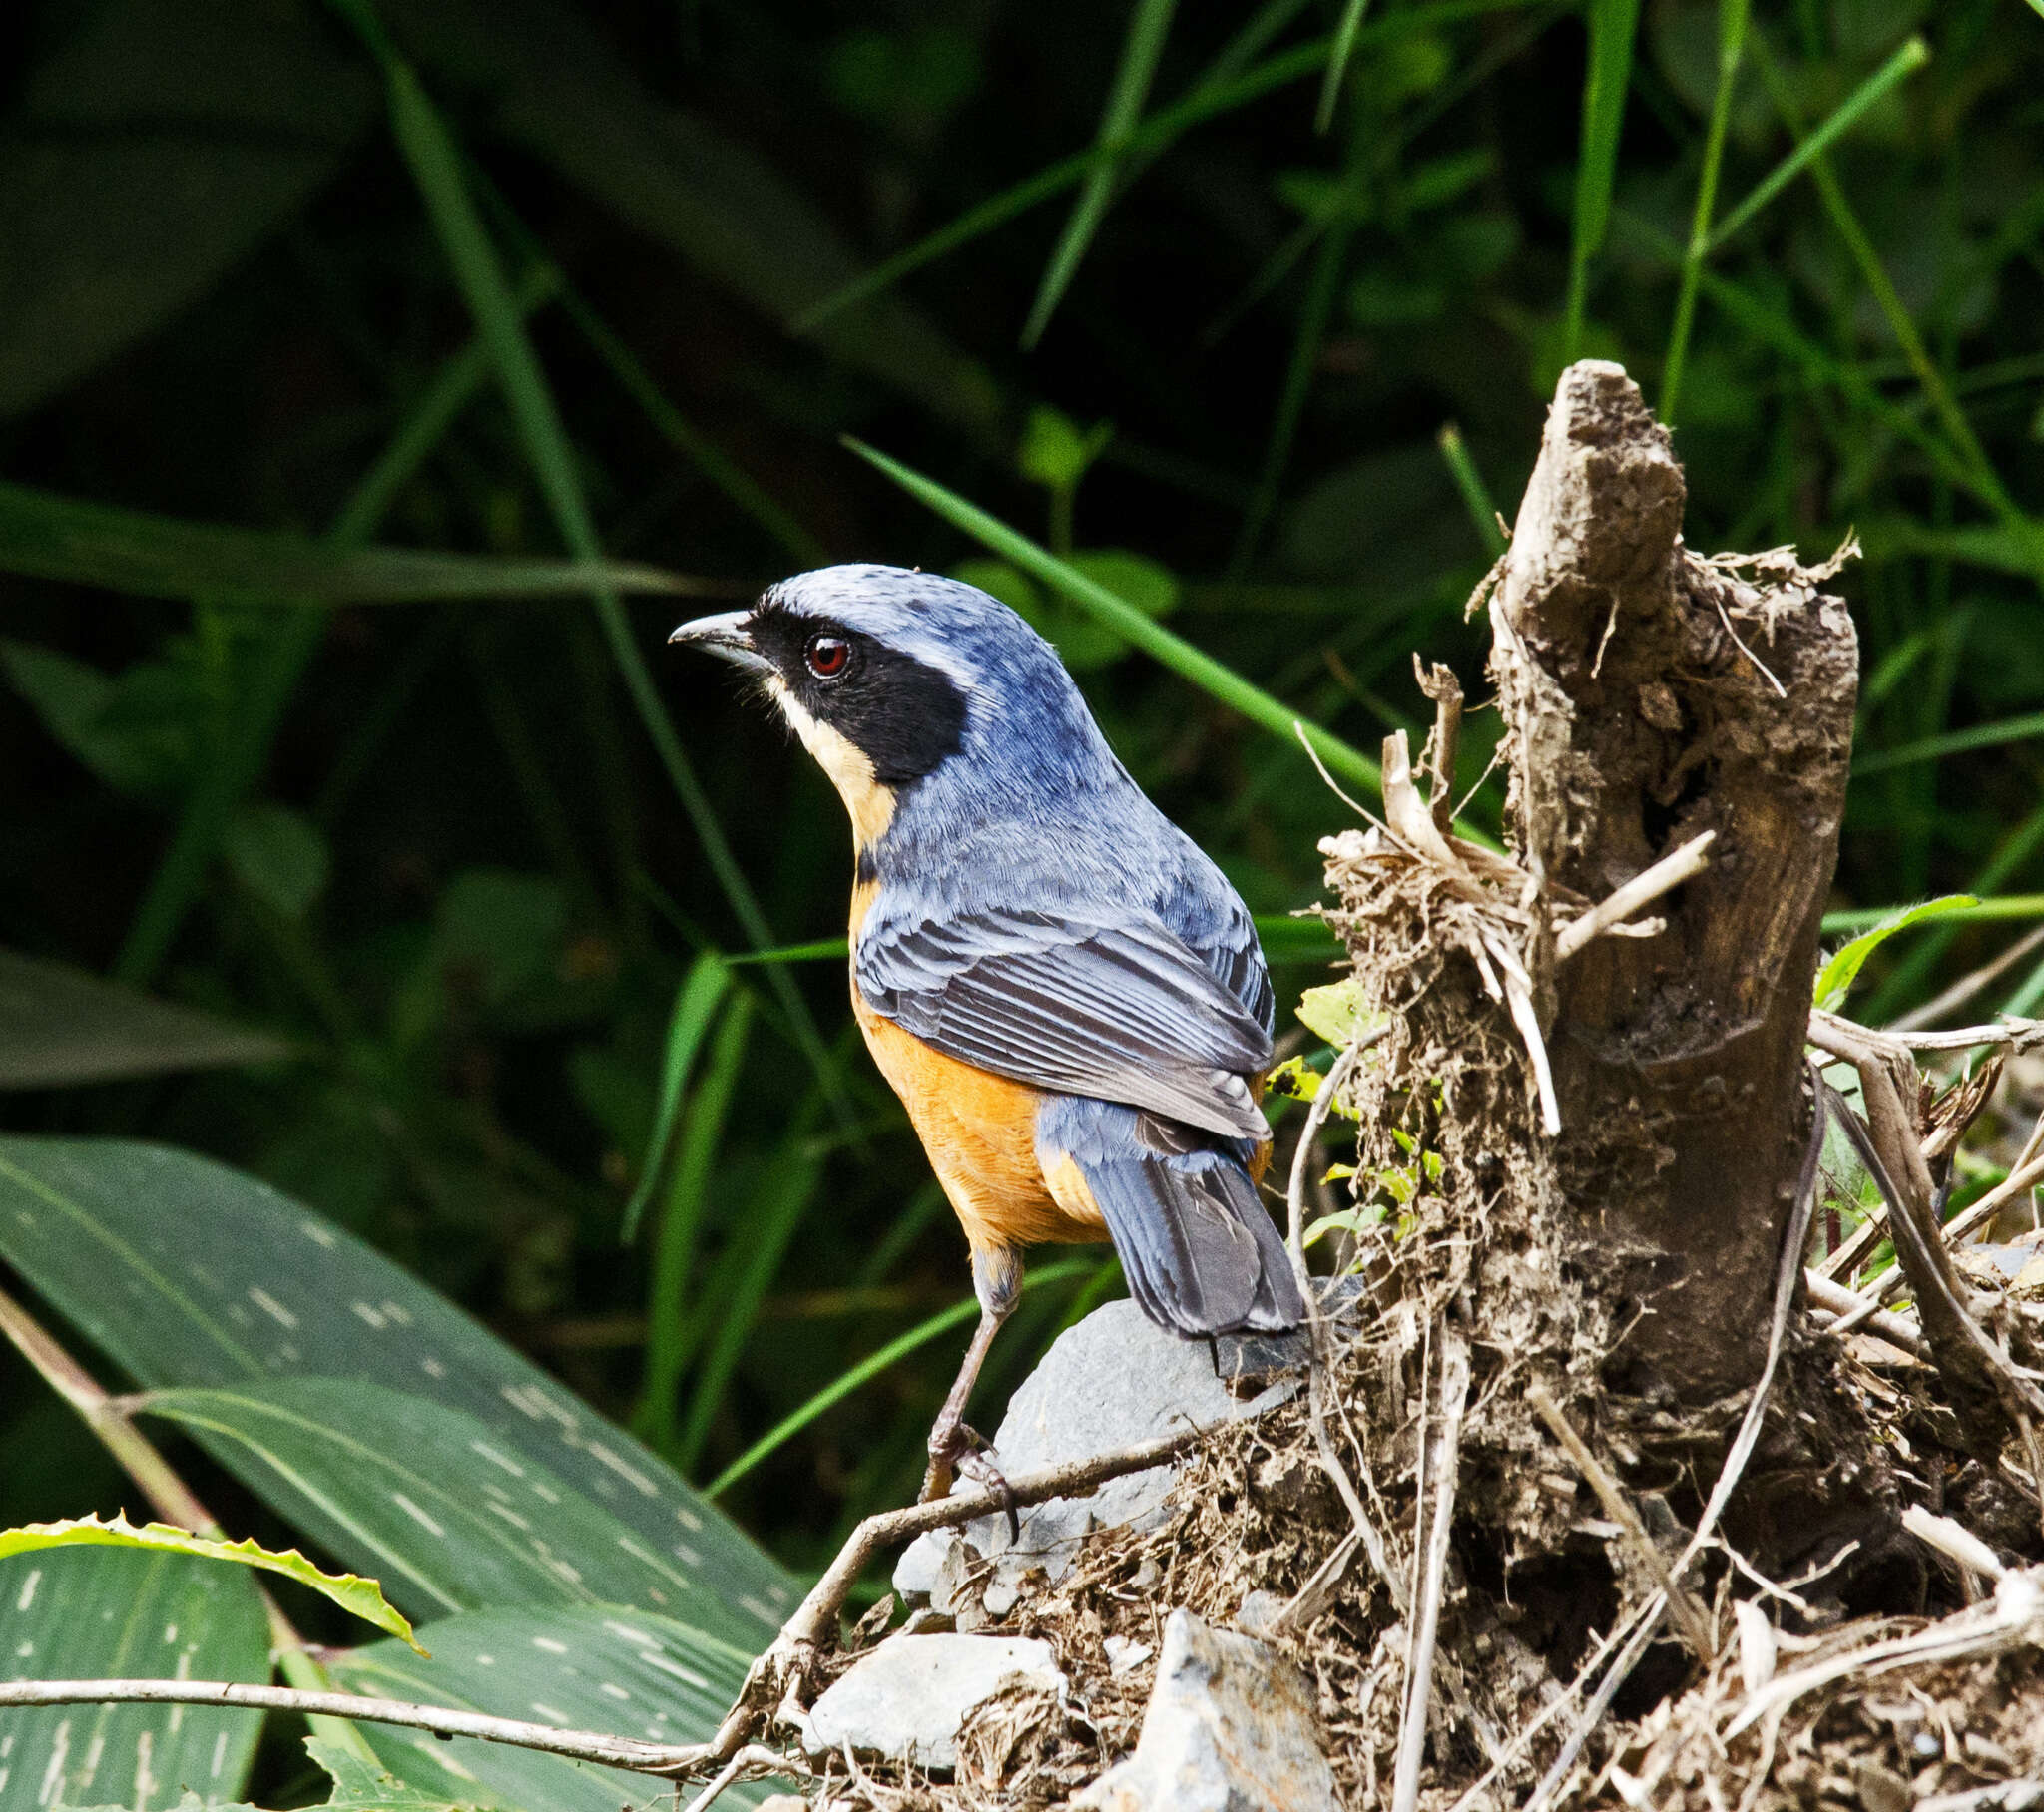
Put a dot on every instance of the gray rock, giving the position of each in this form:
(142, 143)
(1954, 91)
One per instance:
(1230, 1729)
(1110, 1382)
(904, 1703)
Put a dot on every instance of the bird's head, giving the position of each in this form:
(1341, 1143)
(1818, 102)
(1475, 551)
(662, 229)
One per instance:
(889, 677)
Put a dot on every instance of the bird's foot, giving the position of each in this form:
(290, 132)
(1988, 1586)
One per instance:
(959, 1449)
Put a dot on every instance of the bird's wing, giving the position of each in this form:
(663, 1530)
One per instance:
(1125, 1012)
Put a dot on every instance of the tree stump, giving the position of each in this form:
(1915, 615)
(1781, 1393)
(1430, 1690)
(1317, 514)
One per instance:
(1648, 695)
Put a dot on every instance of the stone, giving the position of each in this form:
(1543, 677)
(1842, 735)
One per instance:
(1125, 1655)
(1112, 1381)
(906, 1700)
(1230, 1727)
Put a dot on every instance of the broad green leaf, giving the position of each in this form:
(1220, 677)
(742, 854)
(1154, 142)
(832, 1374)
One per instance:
(1054, 453)
(1834, 980)
(430, 1500)
(358, 1786)
(50, 537)
(359, 1596)
(1336, 1011)
(361, 1786)
(156, 146)
(108, 1613)
(600, 1668)
(60, 1025)
(188, 1273)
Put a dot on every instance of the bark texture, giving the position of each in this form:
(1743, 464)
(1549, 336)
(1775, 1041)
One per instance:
(1652, 695)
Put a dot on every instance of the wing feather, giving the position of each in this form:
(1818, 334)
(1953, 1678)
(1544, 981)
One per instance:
(1125, 1013)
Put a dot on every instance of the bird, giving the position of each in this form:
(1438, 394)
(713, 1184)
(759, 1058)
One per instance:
(1065, 992)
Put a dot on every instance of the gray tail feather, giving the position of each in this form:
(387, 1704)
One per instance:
(1200, 1249)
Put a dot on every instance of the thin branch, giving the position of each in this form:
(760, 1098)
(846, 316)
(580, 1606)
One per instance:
(576, 1745)
(1854, 1312)
(1426, 1630)
(2019, 1182)
(1330, 1459)
(1618, 1506)
(1677, 866)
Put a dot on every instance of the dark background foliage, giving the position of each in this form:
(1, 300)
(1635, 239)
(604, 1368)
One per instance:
(459, 876)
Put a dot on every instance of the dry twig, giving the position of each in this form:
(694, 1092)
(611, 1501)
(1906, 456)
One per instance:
(1426, 1626)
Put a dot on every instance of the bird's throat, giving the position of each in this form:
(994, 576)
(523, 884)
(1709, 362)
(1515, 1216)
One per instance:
(868, 801)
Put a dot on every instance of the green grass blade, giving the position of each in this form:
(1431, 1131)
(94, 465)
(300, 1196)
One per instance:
(2017, 851)
(45, 536)
(1330, 258)
(1337, 61)
(1732, 18)
(695, 1003)
(435, 163)
(1131, 625)
(669, 1341)
(1906, 60)
(244, 752)
(870, 1367)
(1955, 742)
(2017, 906)
(1846, 223)
(773, 1213)
(359, 1596)
(1476, 498)
(1149, 26)
(1841, 969)
(737, 484)
(1220, 93)
(1605, 88)
(820, 949)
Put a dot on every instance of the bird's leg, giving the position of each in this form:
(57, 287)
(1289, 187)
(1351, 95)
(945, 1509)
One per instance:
(954, 1448)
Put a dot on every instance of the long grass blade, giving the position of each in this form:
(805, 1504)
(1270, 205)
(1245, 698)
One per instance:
(1847, 225)
(735, 1290)
(1605, 88)
(669, 1338)
(1217, 96)
(1476, 498)
(1149, 26)
(1954, 743)
(1188, 661)
(1731, 17)
(2017, 906)
(870, 1367)
(1906, 60)
(435, 163)
(695, 1003)
(1337, 61)
(2018, 850)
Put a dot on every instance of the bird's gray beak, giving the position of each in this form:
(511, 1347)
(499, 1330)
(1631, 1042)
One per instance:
(728, 637)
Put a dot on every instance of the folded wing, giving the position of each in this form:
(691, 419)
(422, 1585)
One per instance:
(1125, 1012)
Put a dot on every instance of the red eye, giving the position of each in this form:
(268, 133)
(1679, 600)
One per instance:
(828, 656)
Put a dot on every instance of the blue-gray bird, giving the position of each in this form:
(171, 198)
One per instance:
(1066, 994)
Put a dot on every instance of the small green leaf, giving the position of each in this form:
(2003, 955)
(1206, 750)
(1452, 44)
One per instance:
(362, 1597)
(1336, 1011)
(1054, 453)
(1299, 1081)
(1834, 981)
(278, 856)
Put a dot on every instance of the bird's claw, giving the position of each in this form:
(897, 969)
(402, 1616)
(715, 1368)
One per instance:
(960, 1449)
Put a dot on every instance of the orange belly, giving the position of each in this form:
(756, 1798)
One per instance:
(980, 1129)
